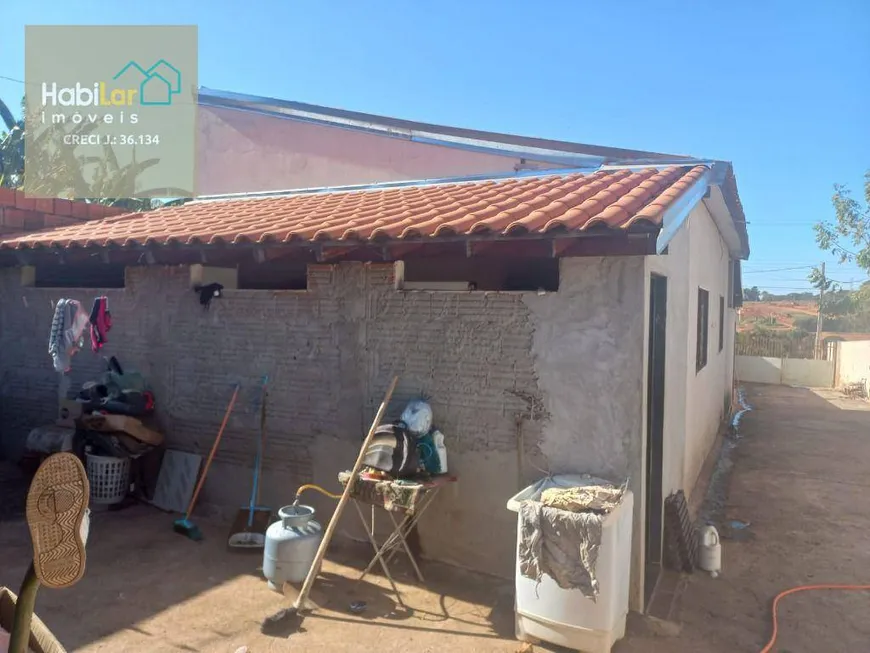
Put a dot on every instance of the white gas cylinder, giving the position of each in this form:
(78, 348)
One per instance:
(710, 551)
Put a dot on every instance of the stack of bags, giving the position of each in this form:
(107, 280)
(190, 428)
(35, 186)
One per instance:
(409, 446)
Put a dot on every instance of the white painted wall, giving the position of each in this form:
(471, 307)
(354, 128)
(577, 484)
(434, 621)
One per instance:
(759, 369)
(674, 266)
(804, 372)
(695, 402)
(808, 373)
(708, 390)
(853, 362)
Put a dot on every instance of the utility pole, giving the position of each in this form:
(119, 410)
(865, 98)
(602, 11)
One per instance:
(819, 321)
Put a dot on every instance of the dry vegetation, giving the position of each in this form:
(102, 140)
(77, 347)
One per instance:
(778, 315)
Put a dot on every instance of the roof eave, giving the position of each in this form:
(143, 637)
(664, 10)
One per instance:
(726, 223)
(639, 241)
(677, 214)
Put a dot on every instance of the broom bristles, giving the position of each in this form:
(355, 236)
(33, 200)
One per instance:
(188, 529)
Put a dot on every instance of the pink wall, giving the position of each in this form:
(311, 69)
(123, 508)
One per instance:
(247, 152)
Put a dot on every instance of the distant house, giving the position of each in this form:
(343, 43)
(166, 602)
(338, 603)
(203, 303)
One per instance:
(834, 336)
(566, 307)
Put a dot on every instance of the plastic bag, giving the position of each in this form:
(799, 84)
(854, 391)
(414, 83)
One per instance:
(432, 452)
(417, 417)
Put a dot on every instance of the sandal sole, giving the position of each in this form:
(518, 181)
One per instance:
(57, 502)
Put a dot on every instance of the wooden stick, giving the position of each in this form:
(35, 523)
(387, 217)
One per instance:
(211, 454)
(333, 523)
(24, 606)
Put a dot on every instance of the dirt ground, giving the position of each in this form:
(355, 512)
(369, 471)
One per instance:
(783, 311)
(798, 480)
(149, 590)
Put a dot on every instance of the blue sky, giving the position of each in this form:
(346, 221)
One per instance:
(781, 89)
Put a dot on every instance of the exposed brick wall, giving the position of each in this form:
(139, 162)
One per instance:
(329, 354)
(19, 213)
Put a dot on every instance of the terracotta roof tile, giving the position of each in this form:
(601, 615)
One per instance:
(517, 206)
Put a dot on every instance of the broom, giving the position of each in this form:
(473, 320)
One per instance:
(249, 528)
(285, 617)
(184, 526)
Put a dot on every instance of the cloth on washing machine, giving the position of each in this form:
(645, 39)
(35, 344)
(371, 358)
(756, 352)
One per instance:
(564, 545)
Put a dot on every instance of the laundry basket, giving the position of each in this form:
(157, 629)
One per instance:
(108, 477)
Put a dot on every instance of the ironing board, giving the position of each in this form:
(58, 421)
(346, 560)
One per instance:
(409, 498)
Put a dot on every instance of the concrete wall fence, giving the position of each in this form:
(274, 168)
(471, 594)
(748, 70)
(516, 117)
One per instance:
(853, 362)
(786, 371)
(849, 364)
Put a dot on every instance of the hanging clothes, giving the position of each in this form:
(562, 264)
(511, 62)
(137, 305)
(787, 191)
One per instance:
(67, 333)
(101, 322)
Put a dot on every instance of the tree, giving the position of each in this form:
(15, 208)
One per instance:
(751, 294)
(108, 182)
(11, 149)
(848, 235)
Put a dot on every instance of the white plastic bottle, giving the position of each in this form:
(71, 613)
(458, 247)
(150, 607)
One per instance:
(710, 551)
(438, 440)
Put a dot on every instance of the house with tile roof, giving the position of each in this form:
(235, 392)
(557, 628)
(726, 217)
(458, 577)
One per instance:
(564, 307)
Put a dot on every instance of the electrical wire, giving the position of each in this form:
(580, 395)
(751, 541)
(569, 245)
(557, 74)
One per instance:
(801, 267)
(802, 588)
(796, 288)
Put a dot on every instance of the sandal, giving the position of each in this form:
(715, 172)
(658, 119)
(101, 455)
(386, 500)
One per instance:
(57, 514)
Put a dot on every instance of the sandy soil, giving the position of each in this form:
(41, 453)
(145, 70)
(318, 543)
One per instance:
(799, 480)
(783, 311)
(150, 590)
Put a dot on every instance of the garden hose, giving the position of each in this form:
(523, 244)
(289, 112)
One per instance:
(795, 590)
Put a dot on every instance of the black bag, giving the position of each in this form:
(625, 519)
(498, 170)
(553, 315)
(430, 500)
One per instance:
(393, 450)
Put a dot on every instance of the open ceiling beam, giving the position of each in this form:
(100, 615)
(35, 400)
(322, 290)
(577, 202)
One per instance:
(619, 244)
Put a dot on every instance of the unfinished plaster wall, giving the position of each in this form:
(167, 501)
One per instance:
(329, 353)
(588, 359)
